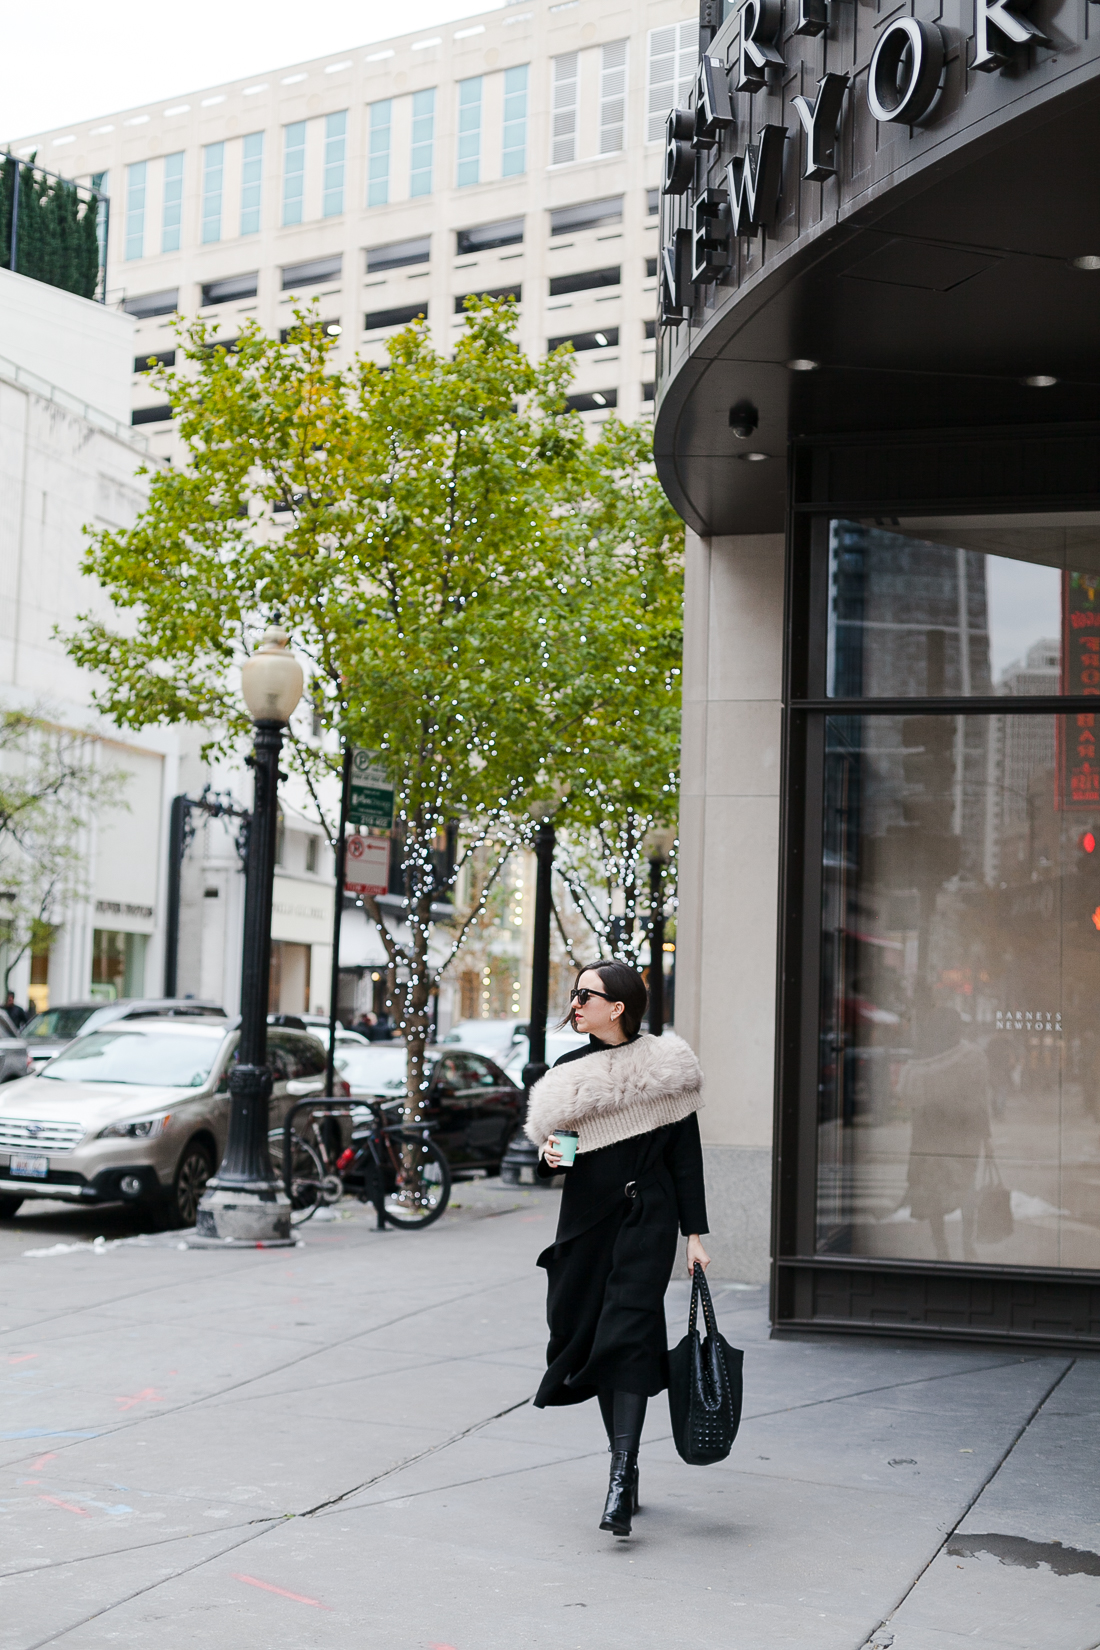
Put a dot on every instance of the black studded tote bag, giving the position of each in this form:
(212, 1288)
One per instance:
(704, 1385)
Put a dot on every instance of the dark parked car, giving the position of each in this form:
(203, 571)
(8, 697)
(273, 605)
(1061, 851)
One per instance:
(54, 1029)
(471, 1106)
(15, 1061)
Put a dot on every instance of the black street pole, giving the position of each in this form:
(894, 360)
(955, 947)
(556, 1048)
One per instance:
(337, 917)
(522, 1156)
(176, 828)
(244, 1203)
(656, 946)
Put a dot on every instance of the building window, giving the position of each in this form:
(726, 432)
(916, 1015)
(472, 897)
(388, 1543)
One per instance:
(118, 965)
(592, 401)
(135, 209)
(563, 140)
(612, 96)
(648, 392)
(378, 157)
(513, 292)
(486, 236)
(313, 272)
(252, 168)
(568, 220)
(469, 131)
(151, 304)
(585, 340)
(513, 159)
(673, 60)
(651, 329)
(213, 171)
(336, 141)
(587, 281)
(231, 289)
(152, 415)
(377, 319)
(173, 203)
(294, 171)
(163, 358)
(423, 129)
(311, 854)
(398, 254)
(652, 202)
(650, 268)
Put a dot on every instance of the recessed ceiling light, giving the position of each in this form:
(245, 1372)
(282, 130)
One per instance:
(1040, 381)
(1088, 260)
(755, 458)
(802, 363)
(334, 331)
(601, 339)
(178, 109)
(291, 79)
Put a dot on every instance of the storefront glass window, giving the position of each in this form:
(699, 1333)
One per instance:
(959, 1063)
(118, 965)
(958, 607)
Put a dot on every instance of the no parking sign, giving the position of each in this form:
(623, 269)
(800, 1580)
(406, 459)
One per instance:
(367, 864)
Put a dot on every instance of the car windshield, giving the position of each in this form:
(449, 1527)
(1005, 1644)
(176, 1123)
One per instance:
(163, 1059)
(58, 1023)
(374, 1070)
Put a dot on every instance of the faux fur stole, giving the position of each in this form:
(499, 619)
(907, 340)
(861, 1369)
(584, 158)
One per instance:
(615, 1094)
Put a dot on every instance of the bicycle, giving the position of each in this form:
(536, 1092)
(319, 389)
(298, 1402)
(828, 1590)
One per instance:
(395, 1166)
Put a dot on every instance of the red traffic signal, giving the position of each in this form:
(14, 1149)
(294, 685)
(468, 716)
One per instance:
(1088, 843)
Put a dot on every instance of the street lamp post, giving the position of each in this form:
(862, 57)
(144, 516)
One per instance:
(521, 1158)
(243, 1203)
(658, 847)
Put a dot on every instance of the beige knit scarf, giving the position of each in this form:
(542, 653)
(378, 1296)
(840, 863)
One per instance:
(617, 1093)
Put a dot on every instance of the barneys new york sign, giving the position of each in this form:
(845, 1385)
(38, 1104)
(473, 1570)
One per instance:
(905, 77)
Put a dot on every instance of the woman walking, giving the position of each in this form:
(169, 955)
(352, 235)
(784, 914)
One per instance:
(631, 1101)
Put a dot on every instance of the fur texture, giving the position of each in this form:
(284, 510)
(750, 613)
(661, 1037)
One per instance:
(617, 1093)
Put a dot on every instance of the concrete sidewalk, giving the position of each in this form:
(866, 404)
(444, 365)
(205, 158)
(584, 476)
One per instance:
(334, 1447)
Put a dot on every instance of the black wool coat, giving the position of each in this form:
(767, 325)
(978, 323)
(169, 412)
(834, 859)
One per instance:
(610, 1263)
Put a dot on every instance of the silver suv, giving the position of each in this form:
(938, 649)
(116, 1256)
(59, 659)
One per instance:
(137, 1112)
(54, 1029)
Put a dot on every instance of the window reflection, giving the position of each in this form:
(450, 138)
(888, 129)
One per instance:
(959, 1071)
(959, 608)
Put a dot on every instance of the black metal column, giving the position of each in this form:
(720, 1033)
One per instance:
(177, 821)
(243, 1201)
(337, 919)
(521, 1157)
(656, 946)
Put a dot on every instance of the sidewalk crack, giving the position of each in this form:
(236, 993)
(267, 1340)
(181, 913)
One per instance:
(868, 1643)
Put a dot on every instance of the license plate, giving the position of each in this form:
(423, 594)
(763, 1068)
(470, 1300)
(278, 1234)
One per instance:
(31, 1168)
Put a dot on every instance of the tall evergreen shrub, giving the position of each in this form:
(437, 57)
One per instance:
(57, 240)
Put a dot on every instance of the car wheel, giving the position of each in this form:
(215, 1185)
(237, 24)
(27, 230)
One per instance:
(9, 1206)
(181, 1201)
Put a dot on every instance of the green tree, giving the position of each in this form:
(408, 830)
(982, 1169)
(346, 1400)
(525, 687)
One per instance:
(51, 783)
(407, 523)
(620, 754)
(57, 239)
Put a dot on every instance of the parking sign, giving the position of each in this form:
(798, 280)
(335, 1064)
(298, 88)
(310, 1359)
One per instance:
(371, 792)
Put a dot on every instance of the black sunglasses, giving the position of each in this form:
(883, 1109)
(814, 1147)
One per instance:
(582, 996)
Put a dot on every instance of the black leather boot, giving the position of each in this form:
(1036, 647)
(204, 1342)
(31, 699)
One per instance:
(637, 1501)
(621, 1492)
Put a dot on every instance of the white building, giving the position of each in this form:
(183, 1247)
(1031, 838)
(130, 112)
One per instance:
(68, 457)
(519, 150)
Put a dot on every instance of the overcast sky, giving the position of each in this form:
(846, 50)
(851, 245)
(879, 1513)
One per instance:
(71, 63)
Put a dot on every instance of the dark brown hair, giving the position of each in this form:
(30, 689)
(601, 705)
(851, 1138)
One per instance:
(623, 984)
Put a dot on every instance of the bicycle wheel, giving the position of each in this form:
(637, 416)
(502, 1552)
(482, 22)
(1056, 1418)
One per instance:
(417, 1179)
(307, 1175)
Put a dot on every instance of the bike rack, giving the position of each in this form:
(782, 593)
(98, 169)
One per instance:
(331, 1108)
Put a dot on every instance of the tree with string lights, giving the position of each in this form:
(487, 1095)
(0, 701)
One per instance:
(422, 529)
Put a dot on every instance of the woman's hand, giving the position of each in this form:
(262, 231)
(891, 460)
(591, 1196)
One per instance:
(696, 1252)
(551, 1154)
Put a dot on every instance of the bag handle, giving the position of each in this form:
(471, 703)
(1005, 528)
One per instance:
(700, 1289)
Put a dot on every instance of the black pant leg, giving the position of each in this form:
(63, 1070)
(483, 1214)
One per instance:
(607, 1409)
(629, 1418)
